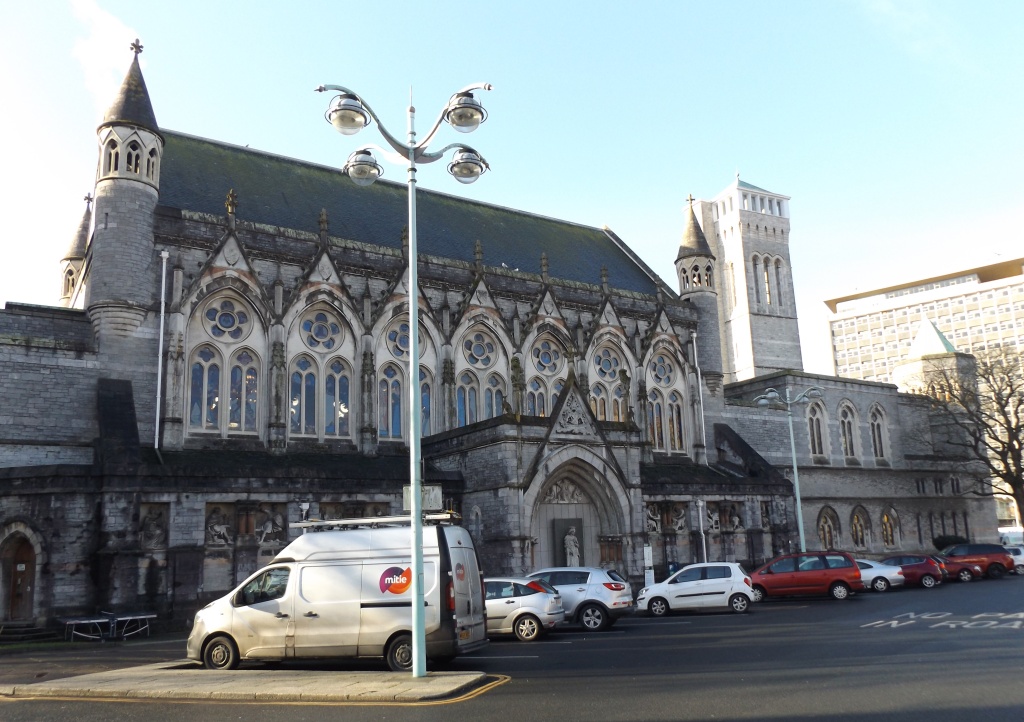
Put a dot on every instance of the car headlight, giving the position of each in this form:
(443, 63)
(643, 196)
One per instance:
(642, 592)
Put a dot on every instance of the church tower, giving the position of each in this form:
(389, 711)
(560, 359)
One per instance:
(748, 228)
(122, 264)
(697, 274)
(74, 260)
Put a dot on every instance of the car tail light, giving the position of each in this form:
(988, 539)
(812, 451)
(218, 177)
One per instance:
(450, 593)
(746, 580)
(615, 586)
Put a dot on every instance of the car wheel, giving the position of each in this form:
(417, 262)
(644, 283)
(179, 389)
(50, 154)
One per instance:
(965, 575)
(928, 581)
(995, 571)
(220, 653)
(758, 593)
(594, 618)
(881, 584)
(839, 591)
(399, 653)
(527, 628)
(739, 603)
(658, 607)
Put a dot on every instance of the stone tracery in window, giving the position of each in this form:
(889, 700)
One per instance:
(321, 331)
(662, 370)
(227, 320)
(547, 356)
(479, 350)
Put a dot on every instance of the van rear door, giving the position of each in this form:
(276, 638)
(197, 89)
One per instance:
(467, 589)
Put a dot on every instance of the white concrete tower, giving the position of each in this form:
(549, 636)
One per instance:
(122, 264)
(748, 230)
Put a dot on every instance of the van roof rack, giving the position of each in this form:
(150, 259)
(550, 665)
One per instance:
(447, 517)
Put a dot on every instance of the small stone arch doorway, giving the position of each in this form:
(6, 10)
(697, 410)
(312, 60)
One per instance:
(18, 560)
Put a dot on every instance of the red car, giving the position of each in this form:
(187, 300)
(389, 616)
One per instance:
(833, 573)
(919, 569)
(993, 559)
(961, 571)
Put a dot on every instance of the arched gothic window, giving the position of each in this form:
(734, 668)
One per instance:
(302, 397)
(599, 402)
(767, 277)
(656, 419)
(778, 283)
(878, 433)
(536, 398)
(757, 279)
(605, 392)
(675, 421)
(815, 429)
(112, 157)
(847, 431)
(389, 403)
(425, 402)
(890, 528)
(133, 158)
(69, 283)
(494, 396)
(466, 399)
(151, 164)
(859, 528)
(828, 528)
(337, 385)
(709, 276)
(695, 274)
(244, 392)
(204, 390)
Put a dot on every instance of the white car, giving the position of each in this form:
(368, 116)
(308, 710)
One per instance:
(711, 585)
(524, 607)
(880, 577)
(1017, 552)
(593, 598)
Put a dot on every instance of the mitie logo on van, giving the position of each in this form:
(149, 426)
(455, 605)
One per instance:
(395, 580)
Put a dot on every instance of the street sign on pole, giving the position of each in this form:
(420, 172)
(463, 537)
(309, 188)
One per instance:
(430, 494)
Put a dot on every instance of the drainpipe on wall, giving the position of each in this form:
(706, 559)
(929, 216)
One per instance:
(160, 350)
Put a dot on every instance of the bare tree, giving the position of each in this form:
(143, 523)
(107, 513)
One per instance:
(981, 402)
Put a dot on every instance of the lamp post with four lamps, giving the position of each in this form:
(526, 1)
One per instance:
(771, 397)
(349, 114)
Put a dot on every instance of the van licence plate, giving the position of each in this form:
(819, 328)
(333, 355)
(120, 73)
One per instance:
(464, 634)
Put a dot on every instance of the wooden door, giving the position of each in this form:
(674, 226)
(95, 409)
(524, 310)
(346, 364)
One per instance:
(23, 576)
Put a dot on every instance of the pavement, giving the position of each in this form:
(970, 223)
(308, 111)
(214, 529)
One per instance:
(184, 679)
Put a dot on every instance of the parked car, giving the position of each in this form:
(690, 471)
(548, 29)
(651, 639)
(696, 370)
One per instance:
(524, 607)
(718, 585)
(832, 572)
(993, 559)
(1017, 552)
(880, 577)
(928, 571)
(593, 598)
(961, 571)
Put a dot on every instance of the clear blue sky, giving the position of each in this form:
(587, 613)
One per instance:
(895, 126)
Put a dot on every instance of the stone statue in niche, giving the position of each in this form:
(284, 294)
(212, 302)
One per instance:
(218, 531)
(653, 518)
(735, 523)
(714, 522)
(679, 517)
(153, 529)
(572, 548)
(271, 526)
(766, 516)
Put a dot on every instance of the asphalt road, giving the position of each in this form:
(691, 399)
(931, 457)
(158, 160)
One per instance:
(951, 653)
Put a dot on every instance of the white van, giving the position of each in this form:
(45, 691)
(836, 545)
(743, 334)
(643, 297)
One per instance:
(342, 589)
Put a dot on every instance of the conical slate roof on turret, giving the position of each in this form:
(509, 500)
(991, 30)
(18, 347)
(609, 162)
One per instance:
(694, 243)
(132, 105)
(76, 251)
(929, 342)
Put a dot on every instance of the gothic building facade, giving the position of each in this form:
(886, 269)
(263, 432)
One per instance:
(231, 355)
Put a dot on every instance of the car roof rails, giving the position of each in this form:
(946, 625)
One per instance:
(447, 517)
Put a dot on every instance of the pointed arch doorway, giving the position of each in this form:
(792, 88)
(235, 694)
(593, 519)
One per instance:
(19, 564)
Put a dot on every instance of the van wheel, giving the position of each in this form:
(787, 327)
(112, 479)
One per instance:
(527, 628)
(594, 618)
(399, 654)
(220, 653)
(839, 591)
(927, 581)
(995, 571)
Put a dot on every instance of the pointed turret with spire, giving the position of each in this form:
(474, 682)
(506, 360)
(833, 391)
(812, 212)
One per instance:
(74, 258)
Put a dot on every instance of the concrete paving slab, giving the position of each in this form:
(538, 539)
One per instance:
(182, 680)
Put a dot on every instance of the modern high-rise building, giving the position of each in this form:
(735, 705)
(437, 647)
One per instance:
(977, 309)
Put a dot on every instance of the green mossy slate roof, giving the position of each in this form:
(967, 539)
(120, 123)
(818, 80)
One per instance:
(197, 173)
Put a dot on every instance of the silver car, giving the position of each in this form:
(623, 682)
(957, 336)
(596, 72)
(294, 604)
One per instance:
(524, 607)
(593, 598)
(880, 577)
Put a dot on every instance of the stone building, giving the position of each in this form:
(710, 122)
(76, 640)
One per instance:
(231, 355)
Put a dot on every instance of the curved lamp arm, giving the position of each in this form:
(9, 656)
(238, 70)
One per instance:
(419, 152)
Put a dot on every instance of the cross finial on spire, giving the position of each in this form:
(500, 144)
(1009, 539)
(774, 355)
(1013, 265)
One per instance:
(232, 202)
(691, 199)
(136, 47)
(88, 201)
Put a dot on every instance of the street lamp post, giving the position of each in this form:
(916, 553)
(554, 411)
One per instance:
(349, 114)
(771, 397)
